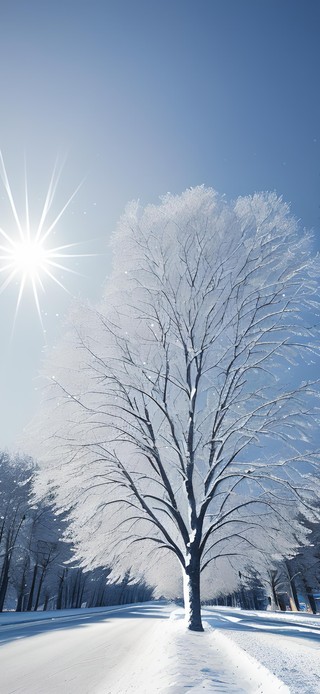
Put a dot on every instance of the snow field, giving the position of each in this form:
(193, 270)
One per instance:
(145, 649)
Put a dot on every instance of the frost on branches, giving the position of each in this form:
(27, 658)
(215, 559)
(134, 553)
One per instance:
(176, 426)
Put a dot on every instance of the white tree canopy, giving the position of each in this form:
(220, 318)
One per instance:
(182, 410)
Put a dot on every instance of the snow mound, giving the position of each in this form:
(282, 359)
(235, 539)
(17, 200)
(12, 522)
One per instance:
(209, 662)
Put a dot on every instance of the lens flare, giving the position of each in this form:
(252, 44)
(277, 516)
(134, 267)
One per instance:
(28, 254)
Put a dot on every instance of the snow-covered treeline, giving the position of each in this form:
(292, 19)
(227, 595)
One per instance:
(280, 582)
(37, 572)
(36, 567)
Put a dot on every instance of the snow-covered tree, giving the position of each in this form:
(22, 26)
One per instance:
(177, 417)
(302, 572)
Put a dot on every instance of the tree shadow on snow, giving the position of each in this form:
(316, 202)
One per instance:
(34, 623)
(236, 620)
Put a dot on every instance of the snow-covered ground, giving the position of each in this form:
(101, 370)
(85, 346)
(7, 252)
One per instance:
(144, 649)
(287, 643)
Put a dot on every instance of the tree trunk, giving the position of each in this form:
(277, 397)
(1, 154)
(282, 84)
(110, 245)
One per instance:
(21, 588)
(43, 573)
(295, 596)
(60, 591)
(294, 600)
(19, 601)
(33, 583)
(191, 592)
(310, 598)
(4, 581)
(274, 600)
(274, 604)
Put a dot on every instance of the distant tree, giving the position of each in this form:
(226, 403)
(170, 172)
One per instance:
(253, 594)
(177, 419)
(45, 550)
(15, 490)
(303, 570)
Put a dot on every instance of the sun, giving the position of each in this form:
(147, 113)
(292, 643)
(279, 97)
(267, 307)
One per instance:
(27, 254)
(28, 257)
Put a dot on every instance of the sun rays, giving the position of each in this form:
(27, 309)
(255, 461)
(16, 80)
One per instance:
(26, 253)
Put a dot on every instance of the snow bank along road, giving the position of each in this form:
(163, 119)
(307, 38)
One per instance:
(143, 649)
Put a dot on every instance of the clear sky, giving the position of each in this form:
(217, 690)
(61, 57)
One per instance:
(145, 97)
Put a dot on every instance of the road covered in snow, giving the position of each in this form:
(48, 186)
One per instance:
(75, 651)
(144, 649)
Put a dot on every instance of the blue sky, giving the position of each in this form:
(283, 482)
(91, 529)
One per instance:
(145, 97)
